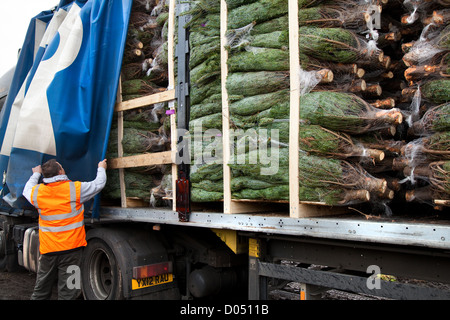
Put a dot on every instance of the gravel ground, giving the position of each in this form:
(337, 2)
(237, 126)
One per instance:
(18, 285)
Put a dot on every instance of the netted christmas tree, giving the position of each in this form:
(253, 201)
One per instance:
(336, 104)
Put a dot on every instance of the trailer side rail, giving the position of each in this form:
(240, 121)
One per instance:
(399, 233)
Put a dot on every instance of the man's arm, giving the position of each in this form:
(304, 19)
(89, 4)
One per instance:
(92, 188)
(34, 179)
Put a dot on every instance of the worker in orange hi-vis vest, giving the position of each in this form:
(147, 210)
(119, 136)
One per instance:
(62, 236)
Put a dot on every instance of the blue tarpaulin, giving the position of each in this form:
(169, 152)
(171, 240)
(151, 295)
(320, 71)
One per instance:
(61, 101)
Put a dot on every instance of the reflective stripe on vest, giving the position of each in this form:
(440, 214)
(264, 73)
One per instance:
(73, 213)
(63, 228)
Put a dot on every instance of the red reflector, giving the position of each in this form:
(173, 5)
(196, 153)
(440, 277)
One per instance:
(152, 270)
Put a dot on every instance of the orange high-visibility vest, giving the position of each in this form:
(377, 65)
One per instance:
(61, 216)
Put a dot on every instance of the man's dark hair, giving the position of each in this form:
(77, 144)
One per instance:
(51, 168)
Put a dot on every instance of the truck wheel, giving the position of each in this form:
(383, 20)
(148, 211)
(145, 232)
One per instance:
(100, 273)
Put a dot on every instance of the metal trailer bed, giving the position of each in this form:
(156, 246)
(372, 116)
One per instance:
(350, 228)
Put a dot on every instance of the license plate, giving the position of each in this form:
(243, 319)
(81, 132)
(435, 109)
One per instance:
(151, 281)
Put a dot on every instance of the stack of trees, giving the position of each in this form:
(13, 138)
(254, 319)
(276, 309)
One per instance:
(352, 134)
(339, 104)
(374, 103)
(349, 114)
(144, 67)
(147, 129)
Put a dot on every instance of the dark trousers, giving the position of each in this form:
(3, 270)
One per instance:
(65, 267)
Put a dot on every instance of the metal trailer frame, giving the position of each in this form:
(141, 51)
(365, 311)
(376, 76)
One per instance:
(342, 256)
(336, 228)
(347, 245)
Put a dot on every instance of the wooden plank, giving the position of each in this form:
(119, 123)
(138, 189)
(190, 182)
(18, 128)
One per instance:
(294, 61)
(123, 201)
(146, 100)
(317, 210)
(170, 46)
(227, 204)
(307, 209)
(133, 202)
(120, 154)
(254, 206)
(141, 160)
(171, 87)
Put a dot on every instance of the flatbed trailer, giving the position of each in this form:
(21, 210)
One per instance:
(348, 228)
(352, 248)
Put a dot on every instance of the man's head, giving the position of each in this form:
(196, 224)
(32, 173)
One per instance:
(52, 168)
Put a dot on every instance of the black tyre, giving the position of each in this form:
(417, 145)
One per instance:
(101, 276)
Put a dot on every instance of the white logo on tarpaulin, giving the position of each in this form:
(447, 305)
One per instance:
(34, 127)
(40, 31)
